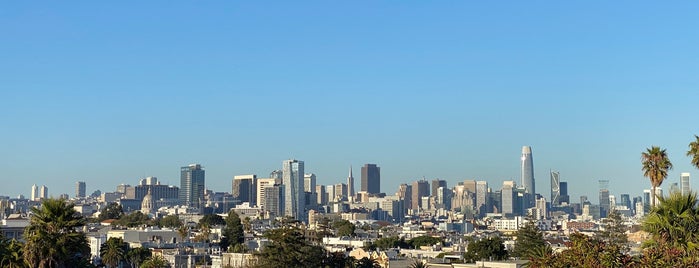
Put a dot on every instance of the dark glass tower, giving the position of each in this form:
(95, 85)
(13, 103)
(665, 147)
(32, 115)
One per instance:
(371, 178)
(192, 185)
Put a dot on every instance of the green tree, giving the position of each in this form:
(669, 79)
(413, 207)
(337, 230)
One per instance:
(694, 151)
(417, 264)
(134, 219)
(136, 256)
(530, 239)
(233, 232)
(366, 263)
(113, 252)
(211, 220)
(289, 248)
(53, 238)
(656, 164)
(485, 249)
(675, 221)
(171, 221)
(344, 228)
(111, 211)
(391, 242)
(424, 240)
(614, 233)
(155, 261)
(11, 253)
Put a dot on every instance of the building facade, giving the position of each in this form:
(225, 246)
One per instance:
(294, 197)
(192, 185)
(371, 179)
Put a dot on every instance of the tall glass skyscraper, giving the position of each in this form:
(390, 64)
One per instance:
(294, 197)
(371, 179)
(527, 171)
(555, 188)
(192, 185)
(684, 183)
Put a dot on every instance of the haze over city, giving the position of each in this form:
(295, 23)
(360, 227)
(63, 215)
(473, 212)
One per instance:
(450, 91)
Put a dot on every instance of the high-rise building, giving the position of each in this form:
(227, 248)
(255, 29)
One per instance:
(277, 174)
(275, 200)
(420, 188)
(294, 197)
(684, 183)
(508, 197)
(371, 179)
(35, 192)
(604, 198)
(309, 183)
(527, 171)
(564, 198)
(482, 203)
(245, 188)
(261, 185)
(192, 185)
(322, 195)
(43, 192)
(80, 189)
(555, 188)
(149, 181)
(405, 193)
(436, 183)
(626, 201)
(350, 186)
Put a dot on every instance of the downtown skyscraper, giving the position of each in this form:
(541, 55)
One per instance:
(684, 183)
(294, 197)
(192, 185)
(527, 170)
(350, 186)
(371, 179)
(527, 176)
(80, 189)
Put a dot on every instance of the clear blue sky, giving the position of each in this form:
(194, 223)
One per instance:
(111, 92)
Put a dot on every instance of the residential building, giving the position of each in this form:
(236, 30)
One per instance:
(294, 197)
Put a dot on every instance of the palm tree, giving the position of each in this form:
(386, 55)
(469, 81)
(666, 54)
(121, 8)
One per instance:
(136, 256)
(674, 221)
(113, 252)
(156, 261)
(656, 164)
(694, 151)
(11, 254)
(53, 238)
(417, 264)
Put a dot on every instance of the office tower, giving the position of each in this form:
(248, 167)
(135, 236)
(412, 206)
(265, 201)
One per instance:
(555, 188)
(322, 195)
(420, 188)
(244, 188)
(684, 183)
(35, 192)
(612, 202)
(350, 186)
(674, 187)
(330, 192)
(646, 200)
(470, 186)
(508, 197)
(149, 181)
(275, 200)
(292, 179)
(564, 197)
(527, 171)
(604, 198)
(583, 199)
(540, 208)
(443, 198)
(436, 183)
(80, 189)
(43, 192)
(405, 193)
(371, 179)
(482, 203)
(309, 183)
(277, 174)
(626, 201)
(340, 192)
(261, 185)
(192, 185)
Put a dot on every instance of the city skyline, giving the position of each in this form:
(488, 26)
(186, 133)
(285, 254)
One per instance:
(434, 90)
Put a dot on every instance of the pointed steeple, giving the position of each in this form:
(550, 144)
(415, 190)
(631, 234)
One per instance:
(350, 186)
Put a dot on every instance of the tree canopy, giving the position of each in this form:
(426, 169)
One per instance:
(529, 240)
